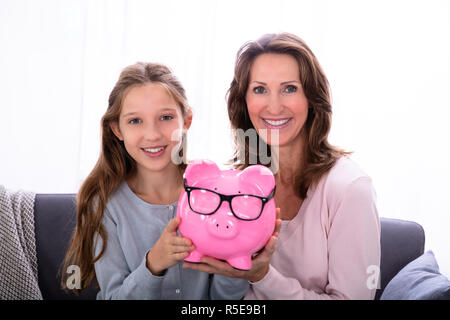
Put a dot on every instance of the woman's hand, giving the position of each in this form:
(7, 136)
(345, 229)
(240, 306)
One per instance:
(169, 249)
(260, 263)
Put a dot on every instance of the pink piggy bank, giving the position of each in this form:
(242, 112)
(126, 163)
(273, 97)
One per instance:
(227, 214)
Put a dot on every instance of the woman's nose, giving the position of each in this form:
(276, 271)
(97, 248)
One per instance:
(274, 105)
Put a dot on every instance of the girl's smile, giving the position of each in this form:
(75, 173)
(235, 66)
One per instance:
(154, 152)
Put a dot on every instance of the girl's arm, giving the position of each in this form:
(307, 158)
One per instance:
(225, 288)
(115, 279)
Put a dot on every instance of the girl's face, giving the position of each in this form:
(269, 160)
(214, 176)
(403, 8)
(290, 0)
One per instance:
(150, 125)
(275, 98)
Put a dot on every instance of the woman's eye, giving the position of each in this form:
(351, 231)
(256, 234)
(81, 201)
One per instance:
(134, 121)
(290, 89)
(167, 117)
(259, 90)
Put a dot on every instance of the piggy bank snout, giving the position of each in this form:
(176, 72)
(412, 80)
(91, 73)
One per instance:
(222, 227)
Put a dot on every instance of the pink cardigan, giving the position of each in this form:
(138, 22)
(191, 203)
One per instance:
(331, 249)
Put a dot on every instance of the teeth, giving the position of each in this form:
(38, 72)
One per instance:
(154, 149)
(276, 122)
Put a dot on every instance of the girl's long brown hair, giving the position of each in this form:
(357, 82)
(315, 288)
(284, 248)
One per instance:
(113, 166)
(319, 155)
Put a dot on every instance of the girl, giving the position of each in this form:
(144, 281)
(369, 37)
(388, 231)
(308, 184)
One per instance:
(126, 233)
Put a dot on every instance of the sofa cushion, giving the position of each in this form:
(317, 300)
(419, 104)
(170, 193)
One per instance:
(419, 280)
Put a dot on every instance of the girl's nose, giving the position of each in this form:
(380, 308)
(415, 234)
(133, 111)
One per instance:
(152, 133)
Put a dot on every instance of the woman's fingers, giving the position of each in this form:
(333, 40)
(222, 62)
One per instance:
(200, 267)
(268, 250)
(212, 265)
(277, 222)
(271, 245)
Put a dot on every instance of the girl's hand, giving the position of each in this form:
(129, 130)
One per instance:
(169, 249)
(260, 263)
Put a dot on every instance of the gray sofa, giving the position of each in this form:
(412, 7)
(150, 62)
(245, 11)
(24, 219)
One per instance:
(401, 242)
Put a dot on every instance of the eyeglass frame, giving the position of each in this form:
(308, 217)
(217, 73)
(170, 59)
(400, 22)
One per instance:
(228, 198)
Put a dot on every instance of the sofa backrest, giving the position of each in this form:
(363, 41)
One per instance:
(54, 218)
(401, 242)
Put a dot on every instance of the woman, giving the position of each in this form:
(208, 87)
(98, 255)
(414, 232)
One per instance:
(329, 242)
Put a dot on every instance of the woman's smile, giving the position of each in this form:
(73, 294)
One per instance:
(276, 123)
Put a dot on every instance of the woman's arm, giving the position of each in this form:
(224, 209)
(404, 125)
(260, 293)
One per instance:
(353, 252)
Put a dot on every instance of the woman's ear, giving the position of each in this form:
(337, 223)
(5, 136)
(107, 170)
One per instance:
(114, 125)
(188, 119)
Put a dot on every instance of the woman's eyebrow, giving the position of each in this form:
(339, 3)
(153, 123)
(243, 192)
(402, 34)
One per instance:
(260, 82)
(286, 82)
(282, 83)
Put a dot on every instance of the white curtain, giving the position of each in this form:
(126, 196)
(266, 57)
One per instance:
(388, 63)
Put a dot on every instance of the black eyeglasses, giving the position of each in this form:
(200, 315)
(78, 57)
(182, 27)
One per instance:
(243, 206)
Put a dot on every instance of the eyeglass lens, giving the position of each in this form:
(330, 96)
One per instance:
(244, 207)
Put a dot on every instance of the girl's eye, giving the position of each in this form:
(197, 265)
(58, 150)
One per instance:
(290, 89)
(167, 117)
(134, 121)
(259, 90)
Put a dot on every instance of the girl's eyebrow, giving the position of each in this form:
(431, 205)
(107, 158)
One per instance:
(172, 108)
(129, 114)
(132, 113)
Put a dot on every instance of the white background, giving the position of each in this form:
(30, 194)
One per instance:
(388, 63)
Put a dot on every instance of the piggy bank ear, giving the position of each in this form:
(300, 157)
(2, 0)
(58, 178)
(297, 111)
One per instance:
(199, 169)
(261, 176)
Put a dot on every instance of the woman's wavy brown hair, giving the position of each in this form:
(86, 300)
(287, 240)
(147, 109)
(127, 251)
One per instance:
(113, 166)
(319, 155)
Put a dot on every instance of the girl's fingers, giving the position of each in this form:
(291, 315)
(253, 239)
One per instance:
(178, 249)
(181, 255)
(180, 241)
(173, 225)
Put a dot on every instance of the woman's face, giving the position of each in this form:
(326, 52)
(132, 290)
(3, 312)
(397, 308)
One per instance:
(150, 124)
(275, 98)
